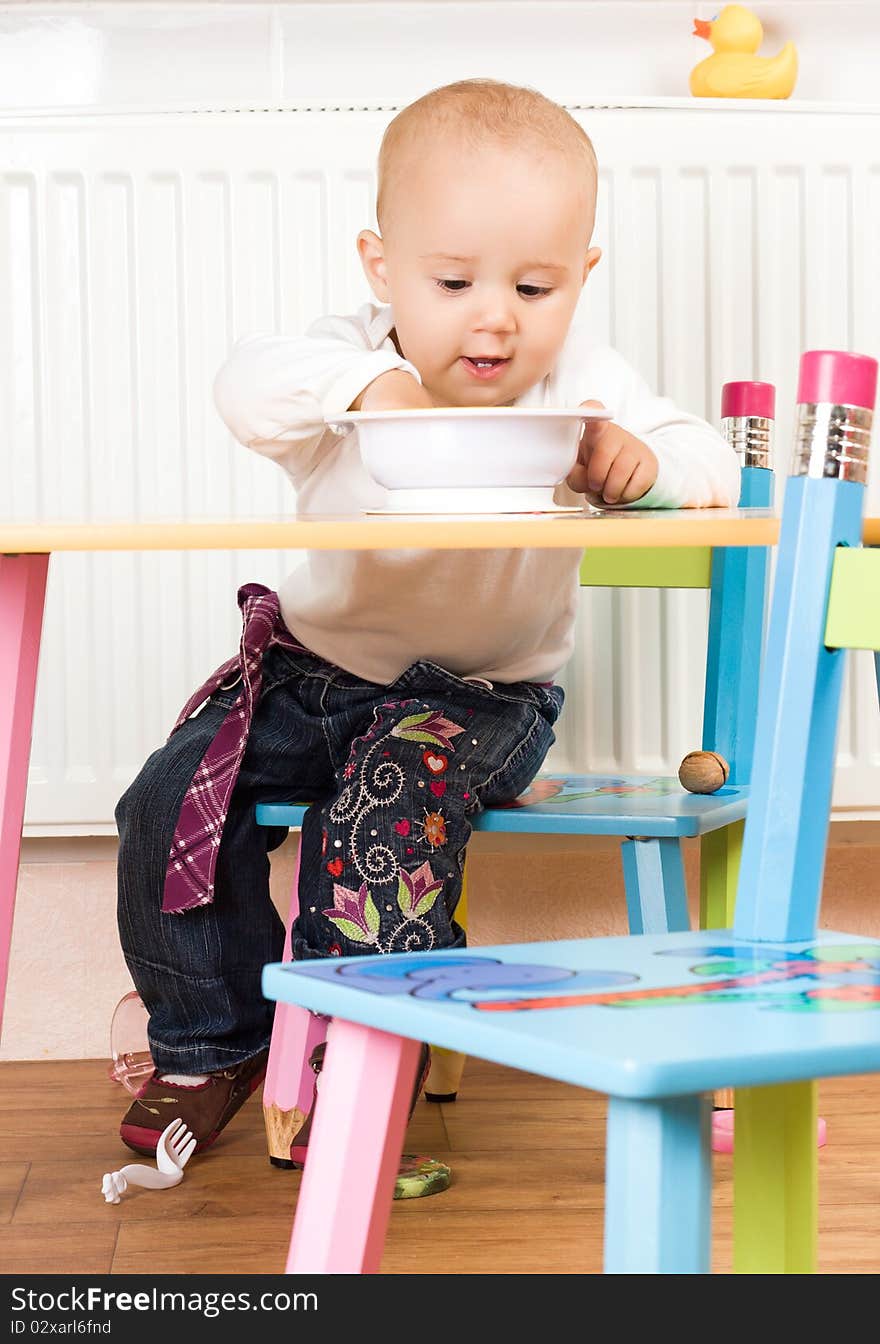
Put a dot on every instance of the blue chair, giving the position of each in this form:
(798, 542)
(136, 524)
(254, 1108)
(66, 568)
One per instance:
(656, 1021)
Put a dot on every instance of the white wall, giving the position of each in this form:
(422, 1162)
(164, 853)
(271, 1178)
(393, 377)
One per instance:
(138, 54)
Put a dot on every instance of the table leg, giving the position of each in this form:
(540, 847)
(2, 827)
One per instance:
(22, 593)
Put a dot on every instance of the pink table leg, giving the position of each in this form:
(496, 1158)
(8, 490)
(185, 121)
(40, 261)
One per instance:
(357, 1137)
(22, 593)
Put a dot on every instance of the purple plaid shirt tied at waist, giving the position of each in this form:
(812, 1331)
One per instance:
(192, 862)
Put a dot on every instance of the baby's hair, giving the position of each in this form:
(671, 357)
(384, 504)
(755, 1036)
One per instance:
(481, 111)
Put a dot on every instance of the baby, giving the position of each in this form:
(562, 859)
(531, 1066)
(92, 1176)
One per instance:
(402, 691)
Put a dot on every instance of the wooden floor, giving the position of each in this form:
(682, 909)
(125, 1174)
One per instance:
(527, 1157)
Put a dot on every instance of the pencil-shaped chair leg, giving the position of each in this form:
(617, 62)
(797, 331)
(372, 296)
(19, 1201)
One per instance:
(354, 1151)
(653, 875)
(289, 1089)
(775, 1180)
(720, 853)
(658, 1186)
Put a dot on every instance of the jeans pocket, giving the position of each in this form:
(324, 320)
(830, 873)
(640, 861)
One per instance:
(223, 698)
(514, 775)
(549, 699)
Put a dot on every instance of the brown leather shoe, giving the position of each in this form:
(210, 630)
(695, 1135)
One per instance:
(417, 1176)
(205, 1109)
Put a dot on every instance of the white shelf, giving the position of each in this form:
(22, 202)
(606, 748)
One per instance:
(719, 106)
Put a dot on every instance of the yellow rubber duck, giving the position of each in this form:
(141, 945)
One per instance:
(734, 71)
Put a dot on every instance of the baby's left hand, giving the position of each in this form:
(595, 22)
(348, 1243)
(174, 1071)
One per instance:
(613, 466)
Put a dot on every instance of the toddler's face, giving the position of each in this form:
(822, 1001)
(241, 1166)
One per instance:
(484, 256)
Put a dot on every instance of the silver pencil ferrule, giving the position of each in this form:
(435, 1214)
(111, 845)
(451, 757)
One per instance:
(751, 437)
(832, 441)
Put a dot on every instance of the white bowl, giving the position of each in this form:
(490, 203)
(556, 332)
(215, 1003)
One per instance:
(468, 459)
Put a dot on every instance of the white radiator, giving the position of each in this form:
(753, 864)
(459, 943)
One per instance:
(135, 248)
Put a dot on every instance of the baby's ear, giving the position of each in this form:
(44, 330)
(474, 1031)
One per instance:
(371, 251)
(592, 258)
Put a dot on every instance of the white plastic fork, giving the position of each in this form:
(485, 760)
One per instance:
(115, 1183)
(174, 1148)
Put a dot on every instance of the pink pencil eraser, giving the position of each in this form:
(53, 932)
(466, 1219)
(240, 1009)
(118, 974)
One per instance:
(748, 399)
(837, 376)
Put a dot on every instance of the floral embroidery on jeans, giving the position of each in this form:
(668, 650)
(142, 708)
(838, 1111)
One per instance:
(430, 727)
(376, 782)
(355, 914)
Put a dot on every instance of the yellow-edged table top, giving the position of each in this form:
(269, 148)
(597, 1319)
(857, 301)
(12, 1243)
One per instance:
(654, 527)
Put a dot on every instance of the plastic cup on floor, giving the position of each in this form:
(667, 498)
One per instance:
(130, 1060)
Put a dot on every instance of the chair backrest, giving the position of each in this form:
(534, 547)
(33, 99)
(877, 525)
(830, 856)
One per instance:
(821, 605)
(736, 577)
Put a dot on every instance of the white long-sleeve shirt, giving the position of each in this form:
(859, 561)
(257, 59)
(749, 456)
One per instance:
(503, 615)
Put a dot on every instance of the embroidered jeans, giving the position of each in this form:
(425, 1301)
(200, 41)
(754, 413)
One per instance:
(394, 775)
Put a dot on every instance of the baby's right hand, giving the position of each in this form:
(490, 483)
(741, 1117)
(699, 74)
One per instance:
(396, 390)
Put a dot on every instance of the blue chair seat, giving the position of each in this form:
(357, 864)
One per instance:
(655, 806)
(642, 1018)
